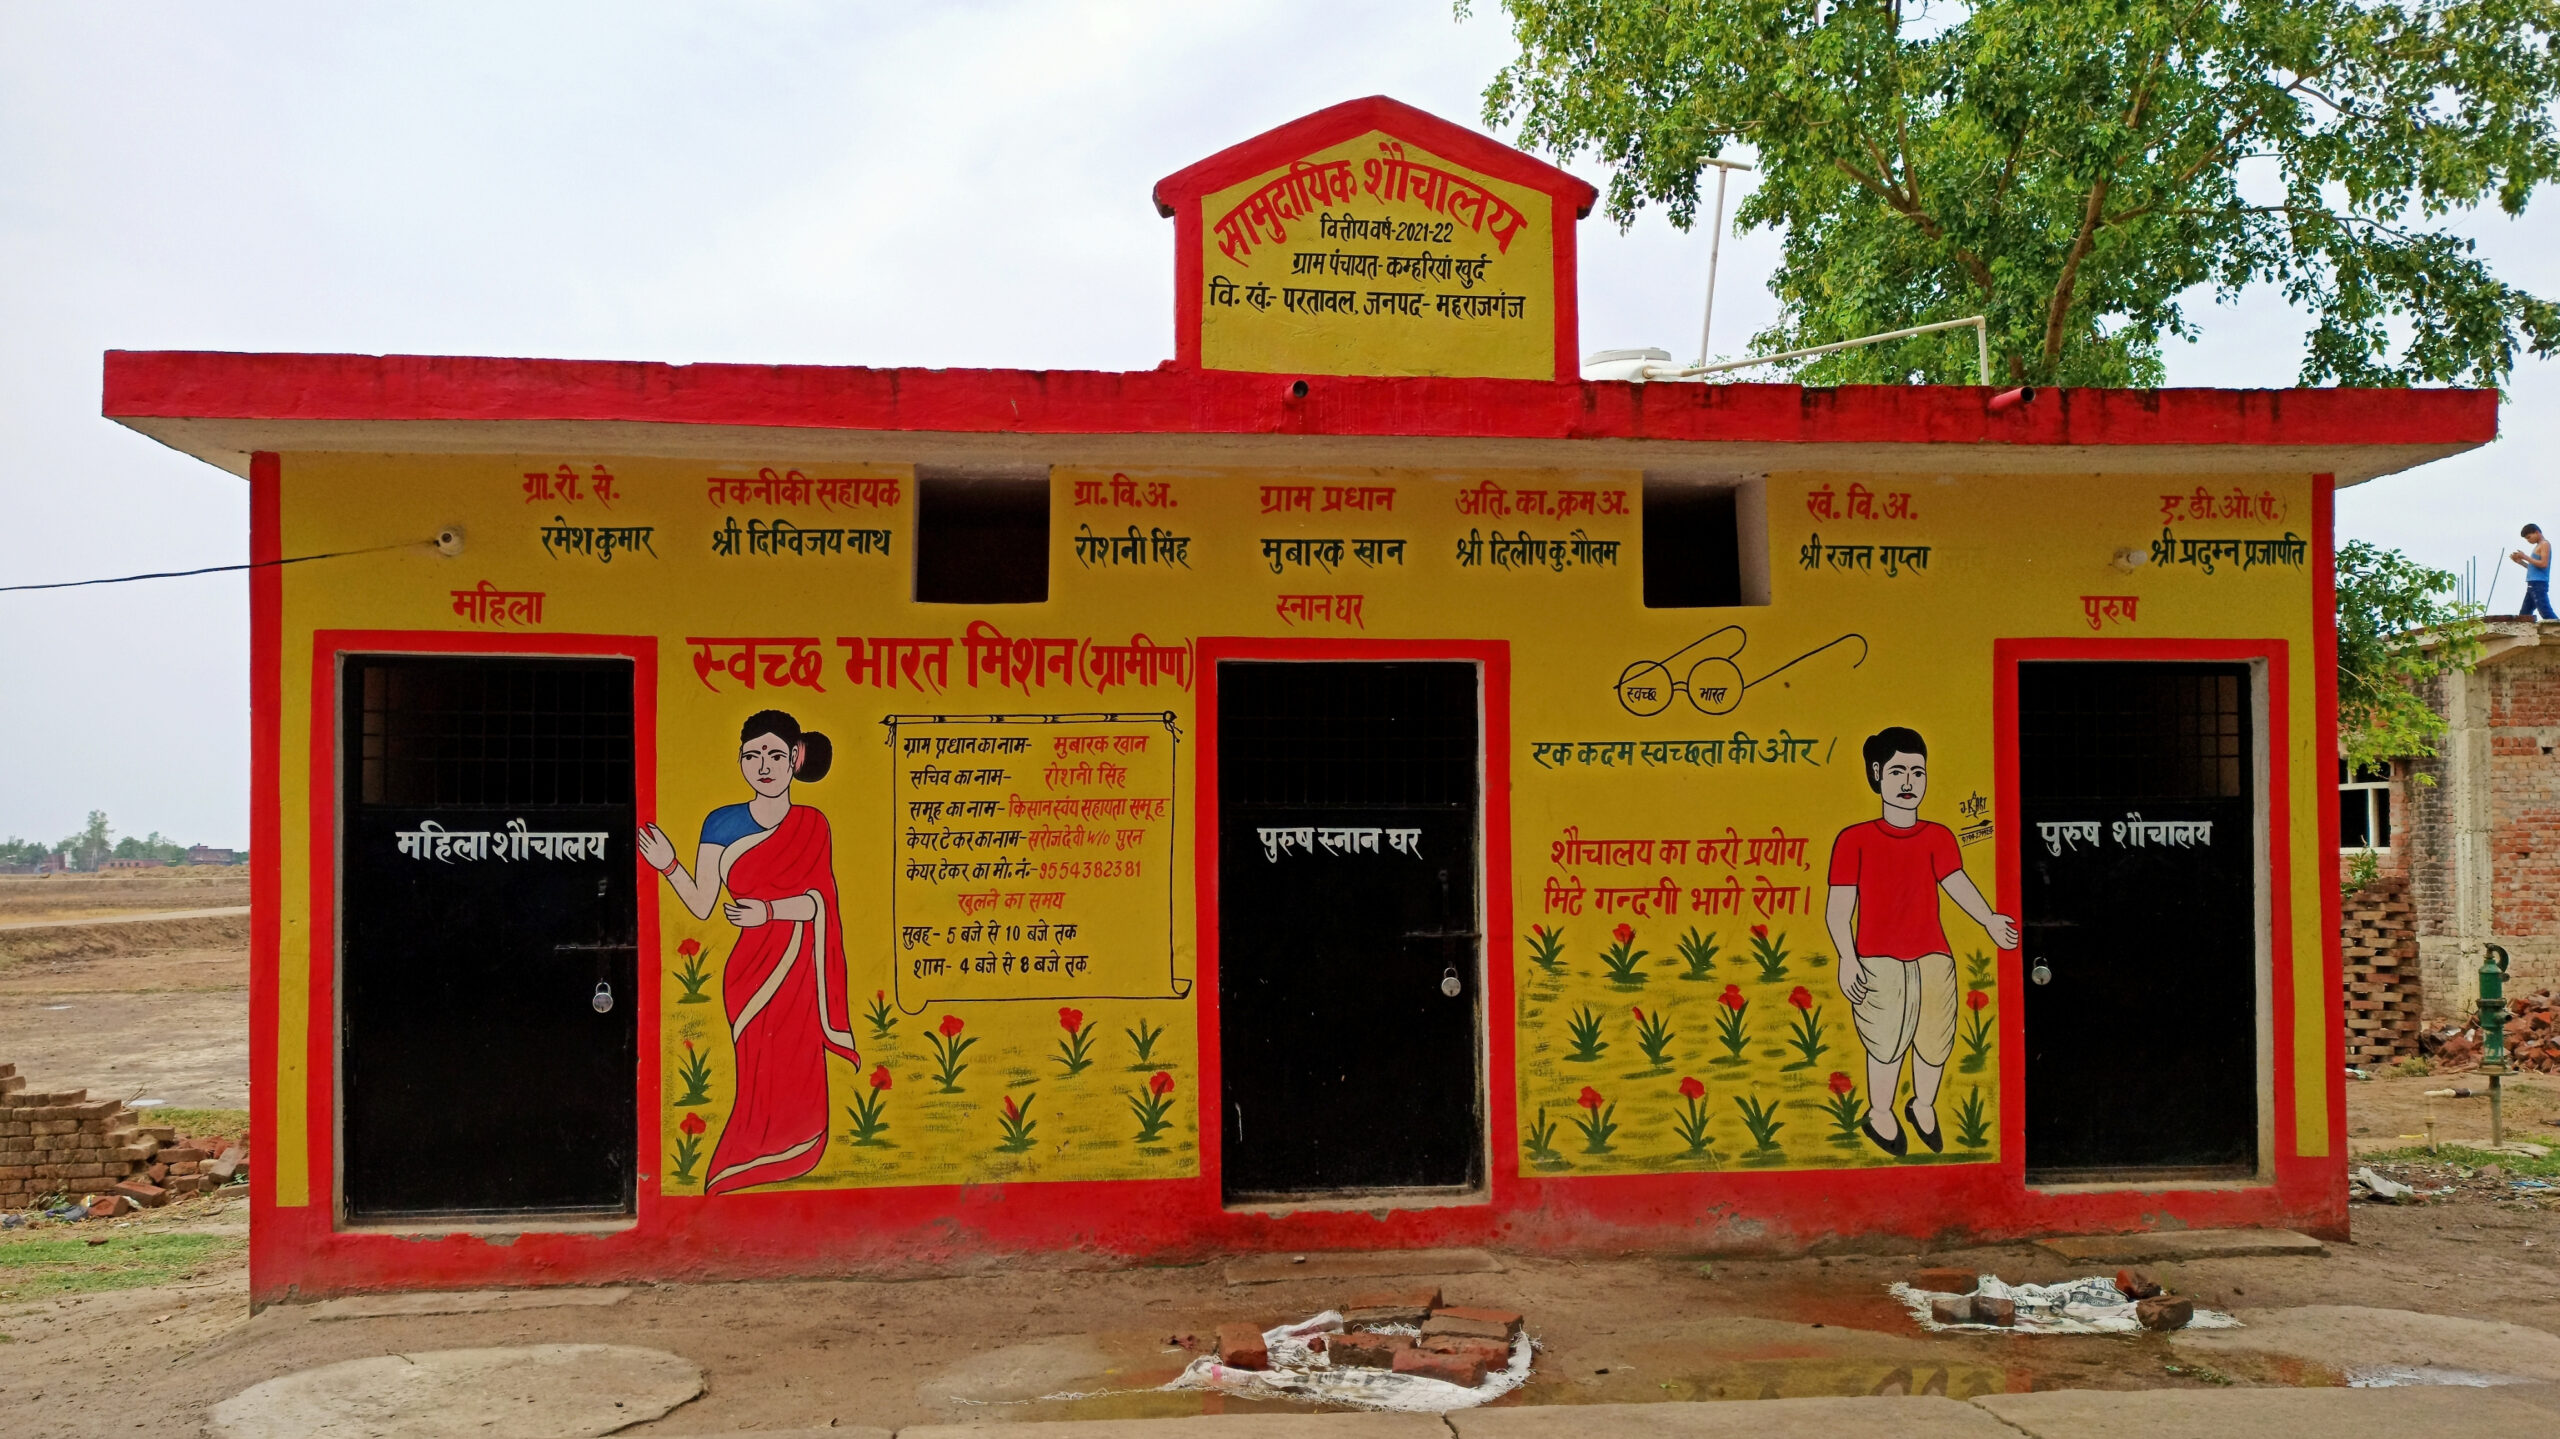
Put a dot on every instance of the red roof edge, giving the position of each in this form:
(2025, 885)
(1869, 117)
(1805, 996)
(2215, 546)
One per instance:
(1336, 123)
(178, 384)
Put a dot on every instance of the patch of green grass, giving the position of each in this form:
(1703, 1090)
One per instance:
(2521, 1166)
(43, 1268)
(228, 1124)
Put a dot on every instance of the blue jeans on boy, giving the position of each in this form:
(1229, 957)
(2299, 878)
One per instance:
(2537, 601)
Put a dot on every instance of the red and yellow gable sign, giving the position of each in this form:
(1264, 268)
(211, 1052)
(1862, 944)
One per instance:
(1373, 239)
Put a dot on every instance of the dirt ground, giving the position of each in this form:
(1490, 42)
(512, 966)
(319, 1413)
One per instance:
(1005, 1344)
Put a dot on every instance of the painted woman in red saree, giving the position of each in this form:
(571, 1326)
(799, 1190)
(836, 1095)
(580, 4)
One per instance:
(785, 982)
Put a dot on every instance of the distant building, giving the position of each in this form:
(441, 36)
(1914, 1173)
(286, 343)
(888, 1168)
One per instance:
(113, 863)
(207, 854)
(2479, 837)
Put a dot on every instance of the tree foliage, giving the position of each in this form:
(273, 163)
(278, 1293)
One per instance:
(2072, 167)
(2398, 627)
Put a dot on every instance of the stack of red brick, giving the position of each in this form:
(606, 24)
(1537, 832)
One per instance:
(72, 1146)
(1454, 1344)
(2533, 1037)
(2379, 945)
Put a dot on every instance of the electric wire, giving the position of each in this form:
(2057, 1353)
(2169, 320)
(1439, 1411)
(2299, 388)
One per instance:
(212, 569)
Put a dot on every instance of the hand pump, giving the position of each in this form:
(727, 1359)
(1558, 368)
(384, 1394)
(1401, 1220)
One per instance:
(2493, 1036)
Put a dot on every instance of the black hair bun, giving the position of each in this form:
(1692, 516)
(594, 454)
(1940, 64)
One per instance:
(817, 756)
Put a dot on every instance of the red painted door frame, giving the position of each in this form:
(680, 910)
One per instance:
(327, 647)
(1492, 659)
(2272, 656)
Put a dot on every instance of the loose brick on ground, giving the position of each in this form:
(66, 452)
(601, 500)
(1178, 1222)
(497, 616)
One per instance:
(1240, 1346)
(1464, 1370)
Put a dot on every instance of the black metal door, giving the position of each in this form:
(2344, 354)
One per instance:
(488, 1016)
(2140, 919)
(1349, 955)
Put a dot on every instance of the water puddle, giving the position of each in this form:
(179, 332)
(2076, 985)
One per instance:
(2396, 1376)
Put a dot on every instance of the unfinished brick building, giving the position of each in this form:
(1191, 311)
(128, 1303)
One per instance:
(2480, 846)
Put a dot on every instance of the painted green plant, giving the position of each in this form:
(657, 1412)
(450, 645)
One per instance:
(1143, 1040)
(1692, 1121)
(693, 976)
(1653, 1036)
(1977, 1032)
(884, 1019)
(1762, 1120)
(1600, 1123)
(1541, 1138)
(1732, 1019)
(1977, 970)
(1698, 952)
(1973, 1126)
(688, 1147)
(1017, 1123)
(1625, 962)
(695, 1072)
(1768, 953)
(1846, 1111)
(1075, 1052)
(866, 1111)
(1151, 1104)
(1546, 948)
(1584, 1026)
(948, 1046)
(1804, 1032)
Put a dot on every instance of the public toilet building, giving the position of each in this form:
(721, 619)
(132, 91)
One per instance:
(1354, 785)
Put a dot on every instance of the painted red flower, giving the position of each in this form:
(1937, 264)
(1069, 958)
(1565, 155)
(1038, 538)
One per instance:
(688, 1044)
(1841, 1083)
(1637, 1011)
(1976, 1000)
(879, 994)
(1802, 998)
(1732, 997)
(1624, 934)
(1692, 1089)
(693, 1124)
(880, 1077)
(1161, 1083)
(689, 948)
(1011, 1111)
(1071, 1020)
(1539, 930)
(951, 1026)
(1759, 931)
(1590, 1099)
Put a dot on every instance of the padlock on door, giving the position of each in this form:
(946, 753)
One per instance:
(1450, 984)
(602, 1000)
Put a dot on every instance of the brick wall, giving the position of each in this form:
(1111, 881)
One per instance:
(2507, 713)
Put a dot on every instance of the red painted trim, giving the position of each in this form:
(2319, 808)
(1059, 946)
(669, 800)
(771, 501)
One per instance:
(266, 850)
(290, 388)
(327, 647)
(1501, 1014)
(2306, 1193)
(1353, 118)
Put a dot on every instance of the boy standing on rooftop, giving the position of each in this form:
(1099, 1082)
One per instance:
(1896, 967)
(2537, 575)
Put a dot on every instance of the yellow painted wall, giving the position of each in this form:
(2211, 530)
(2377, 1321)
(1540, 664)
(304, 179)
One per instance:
(1521, 556)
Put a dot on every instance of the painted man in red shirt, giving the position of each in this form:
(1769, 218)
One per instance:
(1896, 967)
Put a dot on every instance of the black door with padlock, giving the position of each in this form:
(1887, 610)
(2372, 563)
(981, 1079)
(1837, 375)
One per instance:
(488, 1019)
(2138, 791)
(1350, 957)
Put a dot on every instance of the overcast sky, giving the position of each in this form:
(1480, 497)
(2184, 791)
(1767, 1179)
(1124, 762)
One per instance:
(890, 184)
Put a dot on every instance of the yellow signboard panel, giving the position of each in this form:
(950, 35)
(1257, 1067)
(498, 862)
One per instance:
(1378, 257)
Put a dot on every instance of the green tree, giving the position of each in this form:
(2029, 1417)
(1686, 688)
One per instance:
(2398, 627)
(94, 842)
(2071, 168)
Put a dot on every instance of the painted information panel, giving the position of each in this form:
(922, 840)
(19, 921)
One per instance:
(1033, 857)
(1377, 257)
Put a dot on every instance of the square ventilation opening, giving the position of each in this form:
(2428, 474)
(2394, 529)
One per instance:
(982, 537)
